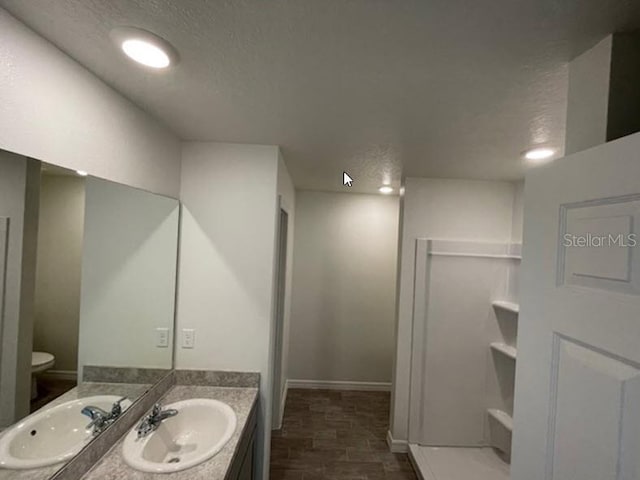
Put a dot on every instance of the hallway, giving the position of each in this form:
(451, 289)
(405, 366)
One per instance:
(330, 434)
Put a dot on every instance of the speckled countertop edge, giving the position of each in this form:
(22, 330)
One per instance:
(113, 467)
(86, 389)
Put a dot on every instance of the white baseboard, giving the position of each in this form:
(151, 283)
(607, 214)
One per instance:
(61, 374)
(396, 446)
(277, 422)
(283, 400)
(339, 385)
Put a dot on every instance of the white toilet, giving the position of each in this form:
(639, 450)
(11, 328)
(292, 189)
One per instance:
(40, 361)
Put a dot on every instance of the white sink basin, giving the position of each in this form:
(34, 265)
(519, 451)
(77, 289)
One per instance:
(199, 431)
(52, 435)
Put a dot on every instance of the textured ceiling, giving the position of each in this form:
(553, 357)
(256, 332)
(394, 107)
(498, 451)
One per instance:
(448, 88)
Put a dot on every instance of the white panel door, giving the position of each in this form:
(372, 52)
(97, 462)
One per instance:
(577, 404)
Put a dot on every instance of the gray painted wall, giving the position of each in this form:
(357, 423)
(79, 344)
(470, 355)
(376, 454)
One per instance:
(59, 264)
(344, 274)
(19, 189)
(603, 96)
(588, 97)
(624, 94)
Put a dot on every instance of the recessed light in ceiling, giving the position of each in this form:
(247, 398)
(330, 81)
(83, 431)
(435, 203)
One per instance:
(385, 189)
(82, 173)
(539, 154)
(144, 47)
(145, 53)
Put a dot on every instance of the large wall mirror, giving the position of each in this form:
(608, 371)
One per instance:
(87, 301)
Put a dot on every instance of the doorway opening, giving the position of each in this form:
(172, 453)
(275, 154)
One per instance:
(281, 279)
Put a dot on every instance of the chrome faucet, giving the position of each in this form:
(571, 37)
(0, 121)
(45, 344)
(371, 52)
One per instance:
(152, 421)
(100, 419)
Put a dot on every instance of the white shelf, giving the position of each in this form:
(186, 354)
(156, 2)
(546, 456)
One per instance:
(507, 350)
(503, 417)
(508, 306)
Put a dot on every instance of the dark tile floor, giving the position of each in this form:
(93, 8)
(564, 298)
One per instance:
(336, 435)
(49, 389)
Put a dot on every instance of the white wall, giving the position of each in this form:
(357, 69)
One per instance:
(19, 190)
(227, 252)
(53, 109)
(128, 276)
(588, 98)
(57, 303)
(449, 210)
(518, 211)
(344, 270)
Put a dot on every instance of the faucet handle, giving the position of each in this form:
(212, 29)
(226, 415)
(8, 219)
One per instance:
(99, 419)
(147, 424)
(96, 424)
(116, 408)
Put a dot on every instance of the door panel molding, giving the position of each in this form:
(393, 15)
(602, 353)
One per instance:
(608, 227)
(595, 404)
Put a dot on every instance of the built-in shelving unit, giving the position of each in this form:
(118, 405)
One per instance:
(502, 417)
(508, 306)
(500, 420)
(504, 349)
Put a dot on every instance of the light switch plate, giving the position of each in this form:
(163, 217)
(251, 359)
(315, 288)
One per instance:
(162, 337)
(188, 337)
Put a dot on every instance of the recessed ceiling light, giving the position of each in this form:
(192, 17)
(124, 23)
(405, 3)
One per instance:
(82, 173)
(539, 154)
(145, 53)
(386, 189)
(144, 47)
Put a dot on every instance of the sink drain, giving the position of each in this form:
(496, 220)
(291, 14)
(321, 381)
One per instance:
(174, 460)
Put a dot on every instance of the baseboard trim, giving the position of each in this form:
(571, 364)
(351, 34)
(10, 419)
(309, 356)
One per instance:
(61, 374)
(277, 422)
(283, 401)
(396, 446)
(339, 385)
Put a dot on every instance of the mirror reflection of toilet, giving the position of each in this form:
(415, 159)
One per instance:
(40, 362)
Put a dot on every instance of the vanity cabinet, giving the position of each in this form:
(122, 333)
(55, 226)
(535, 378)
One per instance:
(246, 469)
(242, 465)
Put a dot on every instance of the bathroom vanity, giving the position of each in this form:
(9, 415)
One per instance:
(233, 462)
(211, 435)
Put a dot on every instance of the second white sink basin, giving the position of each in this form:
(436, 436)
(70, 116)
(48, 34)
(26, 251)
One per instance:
(52, 435)
(199, 431)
